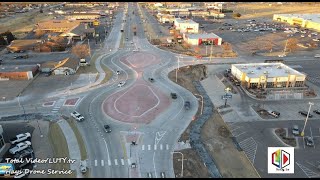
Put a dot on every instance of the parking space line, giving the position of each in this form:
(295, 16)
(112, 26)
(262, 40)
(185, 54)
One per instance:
(149, 147)
(167, 146)
(160, 146)
(314, 145)
(155, 147)
(116, 162)
(129, 162)
(109, 162)
(102, 162)
(95, 162)
(249, 146)
(309, 173)
(304, 146)
(239, 134)
(142, 147)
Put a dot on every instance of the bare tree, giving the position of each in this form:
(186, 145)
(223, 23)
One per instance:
(197, 50)
(226, 47)
(292, 44)
(269, 46)
(81, 50)
(39, 33)
(313, 44)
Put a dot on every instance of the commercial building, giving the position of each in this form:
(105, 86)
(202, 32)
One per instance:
(56, 25)
(198, 39)
(76, 16)
(186, 26)
(165, 18)
(24, 45)
(215, 5)
(66, 66)
(311, 21)
(79, 32)
(21, 72)
(267, 75)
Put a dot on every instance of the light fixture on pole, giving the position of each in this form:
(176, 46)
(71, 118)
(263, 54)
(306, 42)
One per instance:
(305, 122)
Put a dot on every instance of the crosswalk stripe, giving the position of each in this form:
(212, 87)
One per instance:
(149, 147)
(122, 162)
(160, 146)
(109, 162)
(95, 162)
(102, 162)
(142, 147)
(116, 162)
(129, 162)
(167, 146)
(155, 147)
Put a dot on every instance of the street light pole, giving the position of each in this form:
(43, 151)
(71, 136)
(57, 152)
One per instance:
(305, 122)
(182, 162)
(201, 102)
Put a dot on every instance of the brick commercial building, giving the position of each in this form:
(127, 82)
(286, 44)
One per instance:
(311, 21)
(186, 26)
(24, 72)
(198, 39)
(267, 75)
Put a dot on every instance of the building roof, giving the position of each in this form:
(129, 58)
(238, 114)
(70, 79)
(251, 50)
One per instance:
(255, 70)
(56, 24)
(70, 62)
(84, 14)
(17, 68)
(188, 21)
(309, 17)
(202, 36)
(25, 42)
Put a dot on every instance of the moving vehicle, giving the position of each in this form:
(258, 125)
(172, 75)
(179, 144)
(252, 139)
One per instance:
(295, 130)
(187, 105)
(21, 56)
(118, 72)
(151, 79)
(19, 147)
(173, 95)
(107, 128)
(317, 111)
(77, 116)
(309, 141)
(274, 113)
(305, 113)
(122, 83)
(20, 137)
(317, 56)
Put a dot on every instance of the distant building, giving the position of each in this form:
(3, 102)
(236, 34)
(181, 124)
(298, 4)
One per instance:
(19, 72)
(165, 18)
(268, 75)
(198, 39)
(66, 66)
(215, 5)
(24, 45)
(216, 14)
(56, 25)
(79, 32)
(200, 13)
(76, 16)
(311, 21)
(186, 26)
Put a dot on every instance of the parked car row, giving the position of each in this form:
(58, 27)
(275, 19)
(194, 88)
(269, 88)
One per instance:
(296, 132)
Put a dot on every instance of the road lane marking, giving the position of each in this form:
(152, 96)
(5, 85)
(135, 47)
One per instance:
(107, 149)
(95, 162)
(122, 162)
(116, 162)
(102, 162)
(155, 147)
(129, 162)
(154, 165)
(109, 162)
(142, 147)
(124, 148)
(160, 146)
(149, 147)
(167, 146)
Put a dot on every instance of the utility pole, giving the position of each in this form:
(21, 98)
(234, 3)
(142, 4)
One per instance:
(211, 50)
(305, 122)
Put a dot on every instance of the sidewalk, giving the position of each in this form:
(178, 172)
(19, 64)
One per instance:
(74, 150)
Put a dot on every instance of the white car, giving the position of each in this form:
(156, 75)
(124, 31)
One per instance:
(135, 50)
(131, 42)
(122, 83)
(118, 72)
(19, 147)
(315, 39)
(20, 137)
(77, 116)
(282, 55)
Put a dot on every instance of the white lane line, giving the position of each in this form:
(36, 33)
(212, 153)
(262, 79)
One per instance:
(160, 146)
(105, 142)
(102, 162)
(116, 162)
(122, 162)
(149, 147)
(95, 162)
(155, 147)
(109, 162)
(129, 162)
(142, 147)
(167, 146)
(154, 165)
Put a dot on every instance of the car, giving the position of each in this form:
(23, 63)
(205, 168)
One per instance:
(135, 50)
(21, 56)
(295, 130)
(305, 113)
(131, 42)
(315, 39)
(302, 35)
(83, 167)
(127, 39)
(20, 138)
(19, 147)
(317, 56)
(77, 116)
(309, 141)
(173, 95)
(317, 111)
(151, 79)
(187, 105)
(118, 72)
(274, 113)
(24, 153)
(122, 83)
(107, 128)
(282, 55)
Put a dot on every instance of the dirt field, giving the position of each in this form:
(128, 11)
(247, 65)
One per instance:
(257, 10)
(229, 160)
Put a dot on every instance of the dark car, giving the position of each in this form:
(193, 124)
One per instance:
(107, 128)
(173, 95)
(187, 105)
(309, 141)
(151, 79)
(21, 57)
(305, 113)
(317, 111)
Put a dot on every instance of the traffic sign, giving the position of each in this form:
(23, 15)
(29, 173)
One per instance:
(227, 96)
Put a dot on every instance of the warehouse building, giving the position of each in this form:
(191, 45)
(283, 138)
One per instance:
(21, 72)
(198, 39)
(311, 21)
(267, 75)
(186, 26)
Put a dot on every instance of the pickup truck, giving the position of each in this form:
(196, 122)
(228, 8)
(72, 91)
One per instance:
(187, 105)
(77, 116)
(19, 147)
(20, 137)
